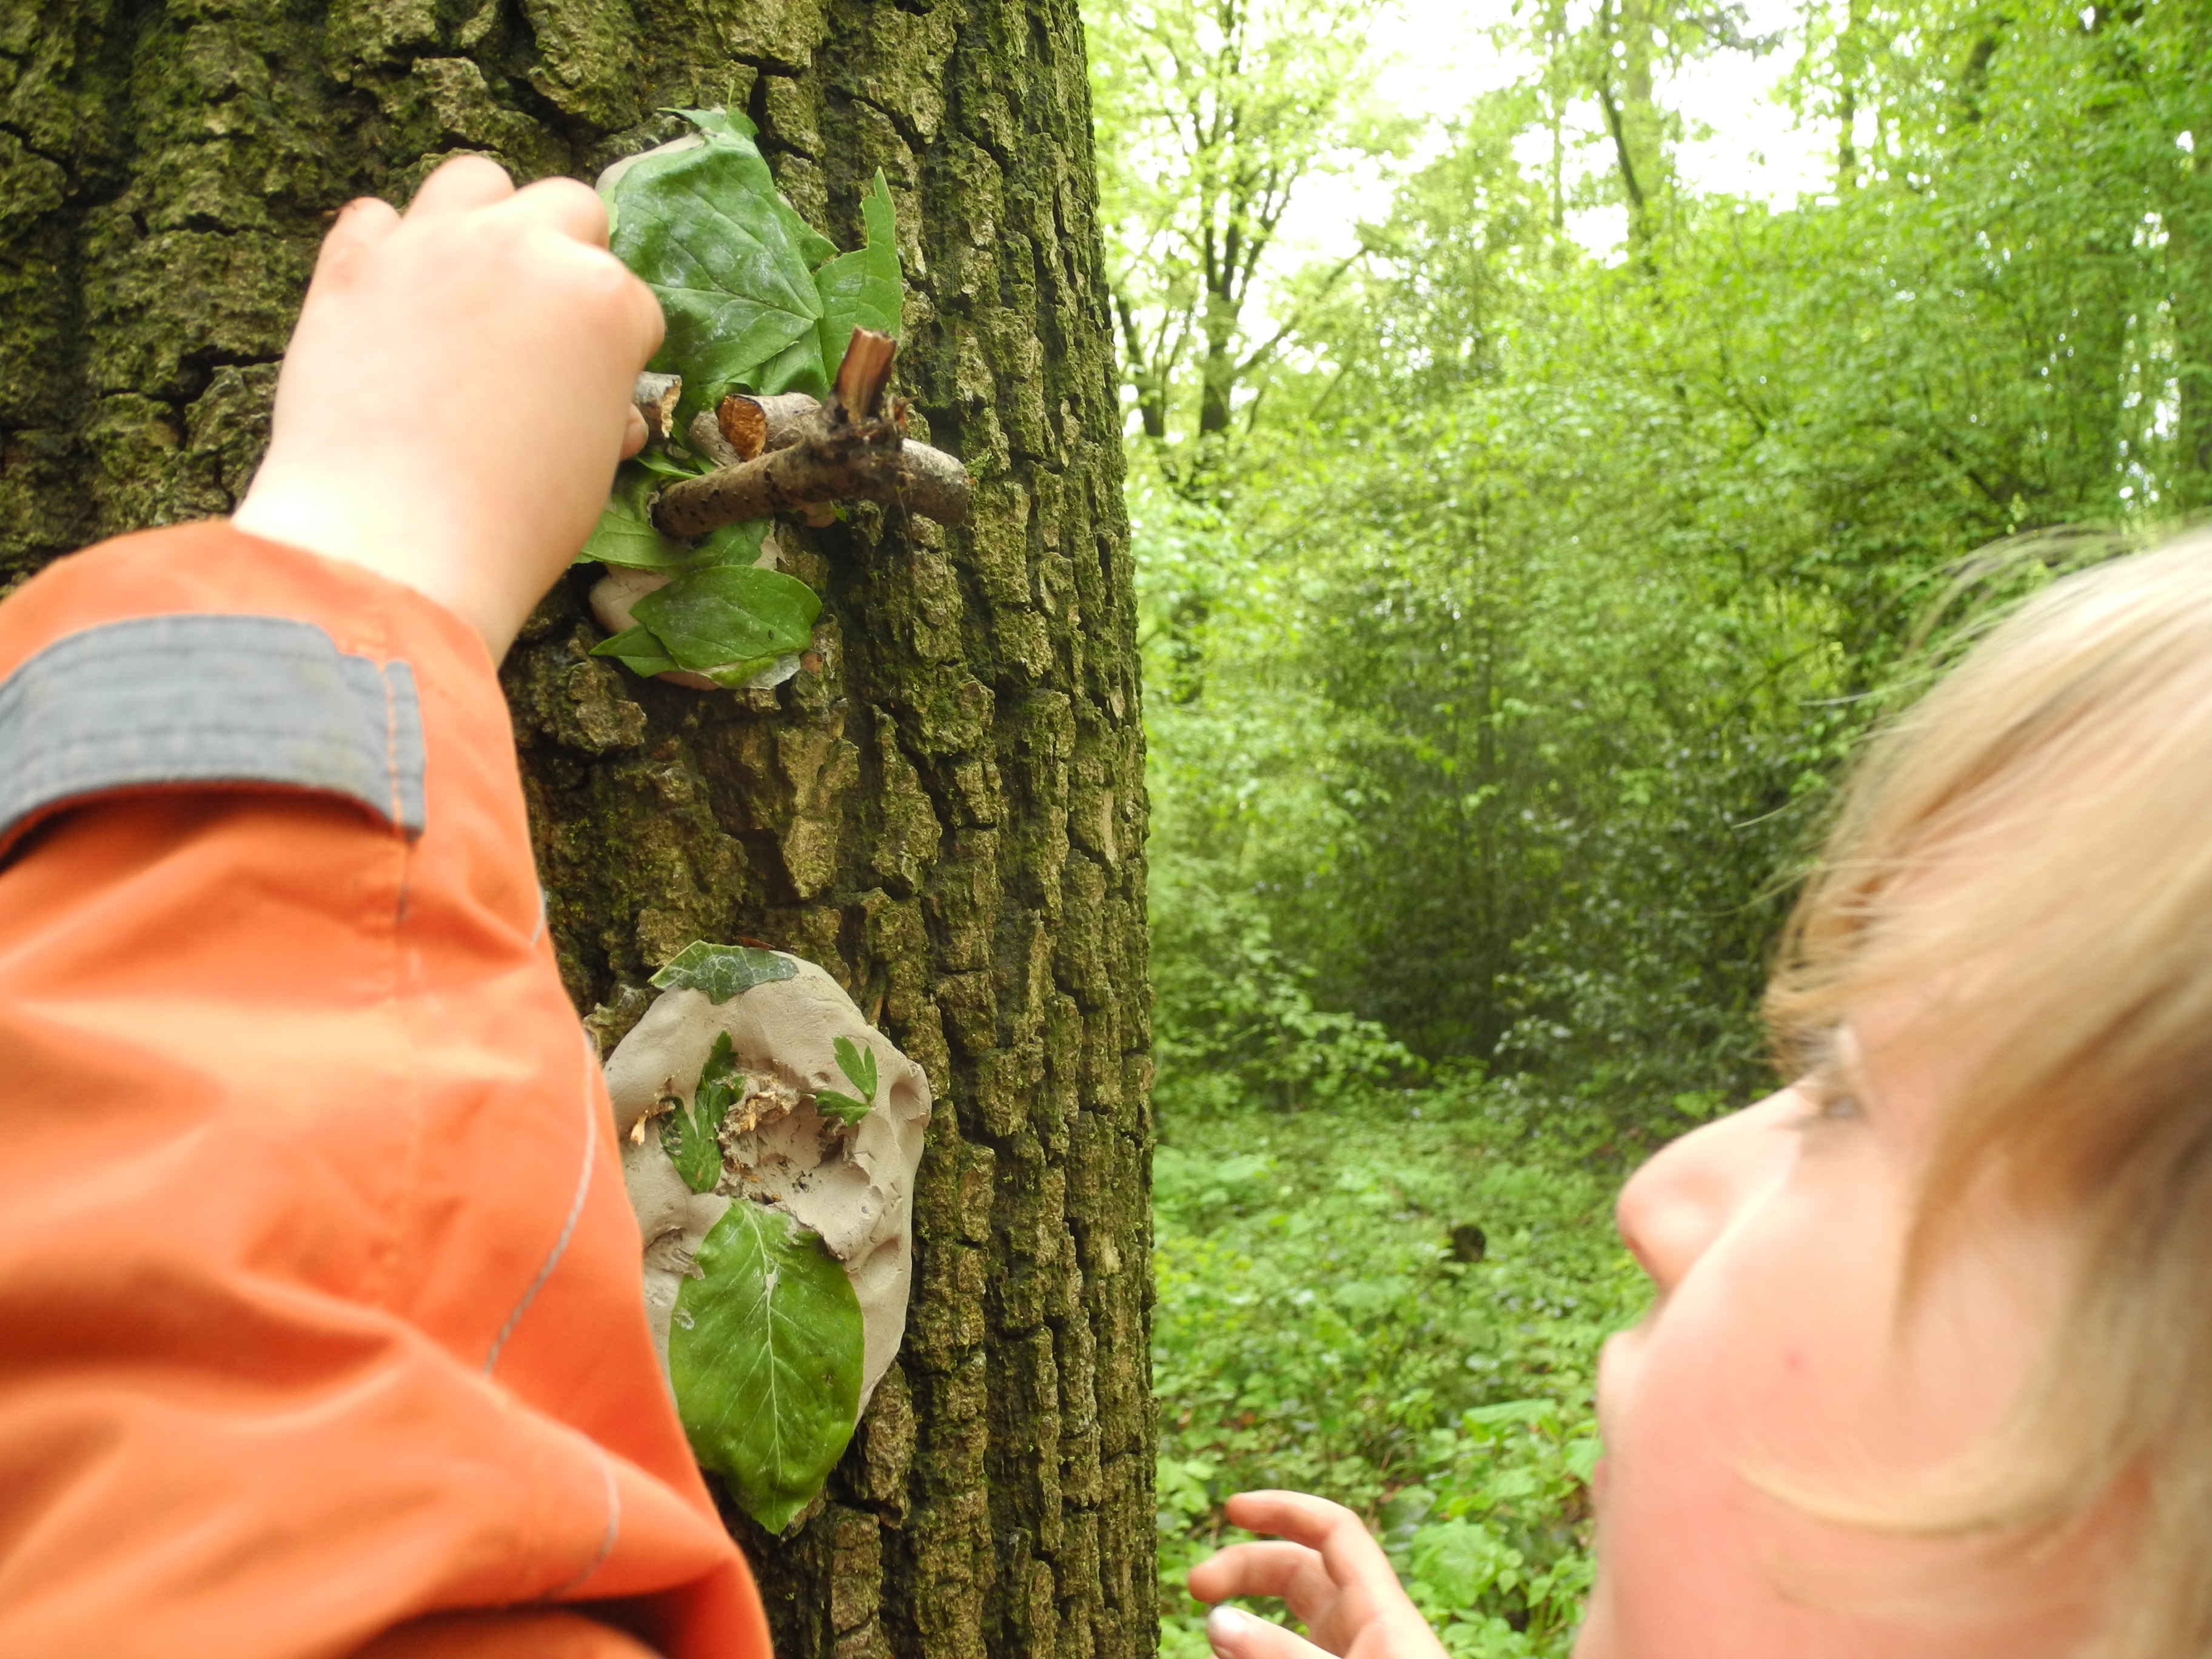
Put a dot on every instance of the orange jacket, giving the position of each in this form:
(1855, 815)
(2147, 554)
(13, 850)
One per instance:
(320, 1326)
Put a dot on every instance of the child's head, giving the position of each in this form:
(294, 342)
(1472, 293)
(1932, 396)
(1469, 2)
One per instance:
(1932, 1373)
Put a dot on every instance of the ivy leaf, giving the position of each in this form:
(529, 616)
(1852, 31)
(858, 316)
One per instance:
(637, 650)
(692, 1137)
(731, 263)
(858, 1065)
(728, 615)
(722, 971)
(846, 1110)
(861, 289)
(764, 1350)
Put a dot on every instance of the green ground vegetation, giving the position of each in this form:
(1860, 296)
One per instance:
(1396, 1303)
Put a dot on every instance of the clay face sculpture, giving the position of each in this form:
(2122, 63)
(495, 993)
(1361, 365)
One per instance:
(795, 1137)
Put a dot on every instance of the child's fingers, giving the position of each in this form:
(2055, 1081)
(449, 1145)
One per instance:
(1235, 1635)
(465, 182)
(573, 208)
(1253, 1570)
(360, 225)
(634, 433)
(1342, 1538)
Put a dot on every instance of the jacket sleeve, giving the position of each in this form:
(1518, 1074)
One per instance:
(320, 1326)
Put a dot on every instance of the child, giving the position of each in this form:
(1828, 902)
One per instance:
(1930, 1373)
(320, 1322)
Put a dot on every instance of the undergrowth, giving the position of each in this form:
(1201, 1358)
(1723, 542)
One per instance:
(1322, 1324)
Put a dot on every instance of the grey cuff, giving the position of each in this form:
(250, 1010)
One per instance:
(206, 699)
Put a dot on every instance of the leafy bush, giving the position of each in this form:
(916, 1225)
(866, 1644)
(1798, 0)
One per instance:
(1315, 1329)
(1235, 1019)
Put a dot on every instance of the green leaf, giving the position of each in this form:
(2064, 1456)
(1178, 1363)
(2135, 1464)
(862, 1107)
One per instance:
(858, 1065)
(764, 1350)
(692, 1137)
(797, 367)
(722, 971)
(729, 615)
(846, 1110)
(735, 675)
(624, 534)
(731, 263)
(725, 123)
(638, 650)
(662, 465)
(861, 289)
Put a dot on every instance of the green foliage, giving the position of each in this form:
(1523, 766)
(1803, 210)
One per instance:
(1236, 1019)
(721, 972)
(862, 289)
(1210, 114)
(1314, 1330)
(764, 1350)
(754, 298)
(731, 621)
(624, 535)
(732, 264)
(692, 1136)
(858, 1065)
(1501, 679)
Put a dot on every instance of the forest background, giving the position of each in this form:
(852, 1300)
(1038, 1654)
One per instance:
(1513, 596)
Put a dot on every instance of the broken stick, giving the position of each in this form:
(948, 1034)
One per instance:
(805, 455)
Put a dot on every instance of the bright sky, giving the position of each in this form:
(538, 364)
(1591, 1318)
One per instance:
(1439, 57)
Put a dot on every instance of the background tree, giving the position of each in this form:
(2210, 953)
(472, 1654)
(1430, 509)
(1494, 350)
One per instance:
(1211, 114)
(946, 809)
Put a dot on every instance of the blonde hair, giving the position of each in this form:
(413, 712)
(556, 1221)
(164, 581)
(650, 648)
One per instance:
(2060, 780)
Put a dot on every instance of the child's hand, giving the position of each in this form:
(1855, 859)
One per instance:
(1332, 1572)
(457, 393)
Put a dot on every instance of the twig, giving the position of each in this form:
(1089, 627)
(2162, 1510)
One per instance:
(749, 424)
(655, 395)
(811, 454)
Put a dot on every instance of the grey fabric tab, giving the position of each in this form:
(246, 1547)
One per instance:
(209, 699)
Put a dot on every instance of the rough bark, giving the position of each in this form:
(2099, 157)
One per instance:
(947, 811)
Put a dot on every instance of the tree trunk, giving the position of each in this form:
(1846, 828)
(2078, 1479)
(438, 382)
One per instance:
(948, 812)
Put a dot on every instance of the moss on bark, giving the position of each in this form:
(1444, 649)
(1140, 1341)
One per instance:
(948, 812)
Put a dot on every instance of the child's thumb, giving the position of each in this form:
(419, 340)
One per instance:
(1236, 1635)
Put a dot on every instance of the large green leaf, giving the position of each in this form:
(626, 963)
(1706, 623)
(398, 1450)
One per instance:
(732, 264)
(721, 972)
(861, 289)
(764, 1349)
(731, 615)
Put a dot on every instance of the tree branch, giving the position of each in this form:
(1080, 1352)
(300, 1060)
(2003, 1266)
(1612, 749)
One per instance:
(807, 454)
